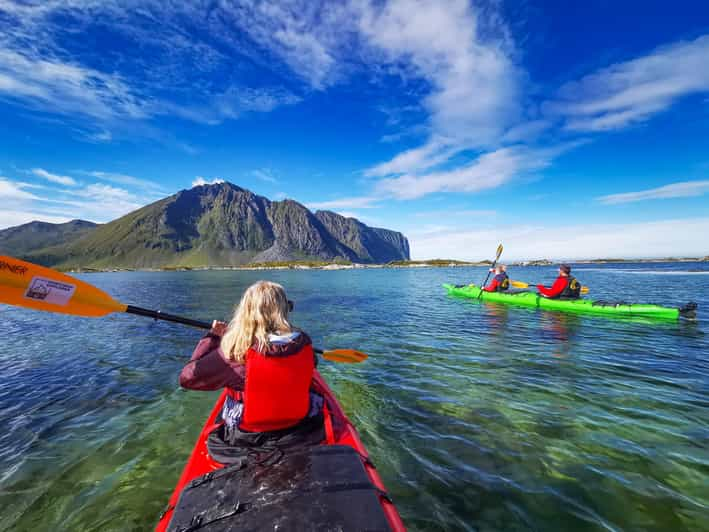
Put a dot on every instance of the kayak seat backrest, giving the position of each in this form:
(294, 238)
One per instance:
(320, 488)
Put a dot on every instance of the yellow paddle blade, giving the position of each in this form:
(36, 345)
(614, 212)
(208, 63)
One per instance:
(520, 284)
(346, 356)
(28, 285)
(499, 252)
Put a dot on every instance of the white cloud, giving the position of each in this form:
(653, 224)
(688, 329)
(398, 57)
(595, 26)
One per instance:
(474, 86)
(433, 152)
(199, 181)
(664, 238)
(684, 189)
(490, 170)
(10, 190)
(65, 88)
(11, 218)
(362, 202)
(54, 178)
(124, 179)
(171, 67)
(231, 104)
(462, 213)
(100, 136)
(305, 36)
(633, 91)
(97, 202)
(265, 174)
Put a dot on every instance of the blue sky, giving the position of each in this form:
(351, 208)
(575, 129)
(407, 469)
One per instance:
(562, 130)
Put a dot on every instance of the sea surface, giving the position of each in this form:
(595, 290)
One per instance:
(479, 416)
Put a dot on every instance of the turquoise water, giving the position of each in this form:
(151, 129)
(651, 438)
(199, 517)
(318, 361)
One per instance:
(478, 416)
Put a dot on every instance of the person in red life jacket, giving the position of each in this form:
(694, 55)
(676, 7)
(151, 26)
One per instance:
(500, 282)
(565, 287)
(266, 366)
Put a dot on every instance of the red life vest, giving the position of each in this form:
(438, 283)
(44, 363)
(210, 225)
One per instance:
(277, 389)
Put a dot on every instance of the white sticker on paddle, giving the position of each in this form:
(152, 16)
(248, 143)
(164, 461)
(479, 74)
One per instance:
(49, 291)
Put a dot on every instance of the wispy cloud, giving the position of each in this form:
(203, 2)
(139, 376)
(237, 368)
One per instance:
(124, 179)
(96, 201)
(169, 72)
(199, 181)
(684, 189)
(435, 151)
(303, 35)
(54, 178)
(488, 171)
(100, 136)
(265, 174)
(361, 202)
(633, 91)
(107, 202)
(461, 213)
(11, 218)
(65, 88)
(10, 190)
(474, 85)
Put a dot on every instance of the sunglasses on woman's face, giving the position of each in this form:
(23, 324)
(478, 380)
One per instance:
(290, 306)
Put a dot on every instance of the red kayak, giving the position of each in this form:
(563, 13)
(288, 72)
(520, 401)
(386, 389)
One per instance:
(332, 486)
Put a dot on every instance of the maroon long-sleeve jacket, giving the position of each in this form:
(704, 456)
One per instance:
(208, 369)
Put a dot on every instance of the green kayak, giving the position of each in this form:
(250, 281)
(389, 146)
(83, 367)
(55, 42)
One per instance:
(586, 306)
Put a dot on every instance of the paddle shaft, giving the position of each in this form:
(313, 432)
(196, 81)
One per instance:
(494, 262)
(158, 315)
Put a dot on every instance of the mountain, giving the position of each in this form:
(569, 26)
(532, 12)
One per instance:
(25, 238)
(369, 243)
(215, 225)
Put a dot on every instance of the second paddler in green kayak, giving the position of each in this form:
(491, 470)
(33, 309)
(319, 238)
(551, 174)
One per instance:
(566, 286)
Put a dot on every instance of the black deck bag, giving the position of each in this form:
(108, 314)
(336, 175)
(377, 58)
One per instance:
(234, 446)
(320, 488)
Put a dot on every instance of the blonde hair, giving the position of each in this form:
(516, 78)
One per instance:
(263, 309)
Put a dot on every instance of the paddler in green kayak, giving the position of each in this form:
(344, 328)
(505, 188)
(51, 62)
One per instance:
(565, 287)
(500, 282)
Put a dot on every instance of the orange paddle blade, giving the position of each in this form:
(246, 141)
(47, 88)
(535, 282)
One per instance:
(28, 285)
(346, 356)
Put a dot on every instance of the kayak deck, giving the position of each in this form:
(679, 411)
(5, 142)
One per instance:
(339, 432)
(586, 306)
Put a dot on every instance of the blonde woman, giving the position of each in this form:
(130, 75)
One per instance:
(267, 367)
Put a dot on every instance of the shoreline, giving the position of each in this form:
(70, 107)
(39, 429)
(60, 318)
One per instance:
(437, 263)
